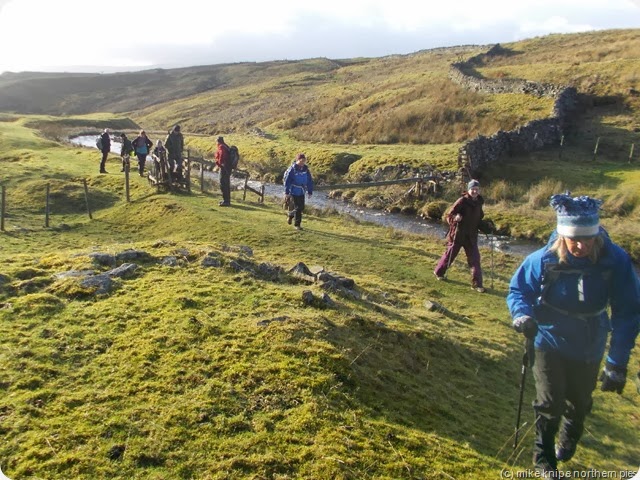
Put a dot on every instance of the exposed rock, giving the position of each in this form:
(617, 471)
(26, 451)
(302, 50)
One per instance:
(171, 261)
(339, 280)
(302, 272)
(240, 266)
(102, 283)
(269, 271)
(327, 300)
(316, 270)
(130, 255)
(124, 270)
(309, 299)
(212, 260)
(103, 259)
(74, 274)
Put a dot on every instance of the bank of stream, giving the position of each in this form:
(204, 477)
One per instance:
(320, 200)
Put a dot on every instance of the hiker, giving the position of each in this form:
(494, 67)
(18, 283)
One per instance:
(558, 299)
(297, 180)
(105, 149)
(174, 145)
(224, 165)
(125, 151)
(159, 150)
(464, 219)
(142, 145)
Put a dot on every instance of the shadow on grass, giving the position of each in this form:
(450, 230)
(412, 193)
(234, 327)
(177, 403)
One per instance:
(438, 385)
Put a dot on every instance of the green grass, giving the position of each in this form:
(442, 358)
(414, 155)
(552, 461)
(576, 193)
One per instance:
(213, 373)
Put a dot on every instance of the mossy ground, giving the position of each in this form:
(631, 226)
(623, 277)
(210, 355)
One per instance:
(214, 373)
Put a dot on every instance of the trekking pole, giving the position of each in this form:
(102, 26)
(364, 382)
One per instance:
(491, 247)
(527, 361)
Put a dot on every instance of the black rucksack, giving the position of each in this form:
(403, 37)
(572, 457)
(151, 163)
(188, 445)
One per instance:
(234, 157)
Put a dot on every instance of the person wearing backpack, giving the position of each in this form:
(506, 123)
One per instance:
(559, 299)
(174, 144)
(223, 161)
(105, 147)
(126, 150)
(297, 181)
(142, 146)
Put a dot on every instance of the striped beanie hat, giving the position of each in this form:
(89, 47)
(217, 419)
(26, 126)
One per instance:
(577, 216)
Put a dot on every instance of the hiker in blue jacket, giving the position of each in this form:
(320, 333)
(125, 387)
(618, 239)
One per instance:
(142, 146)
(297, 181)
(558, 299)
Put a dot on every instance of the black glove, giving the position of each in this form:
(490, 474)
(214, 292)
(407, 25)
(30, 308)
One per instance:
(526, 325)
(613, 378)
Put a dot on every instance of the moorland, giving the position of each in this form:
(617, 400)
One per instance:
(208, 358)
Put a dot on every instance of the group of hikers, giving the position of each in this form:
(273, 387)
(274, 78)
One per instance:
(559, 298)
(170, 150)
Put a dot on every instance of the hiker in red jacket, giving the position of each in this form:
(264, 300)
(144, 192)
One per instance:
(223, 163)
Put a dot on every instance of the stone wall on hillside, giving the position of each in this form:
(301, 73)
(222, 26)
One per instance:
(481, 151)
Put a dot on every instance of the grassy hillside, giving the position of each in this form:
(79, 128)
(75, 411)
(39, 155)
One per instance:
(183, 371)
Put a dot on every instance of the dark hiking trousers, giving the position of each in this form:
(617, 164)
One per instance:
(103, 161)
(142, 160)
(296, 210)
(563, 400)
(225, 185)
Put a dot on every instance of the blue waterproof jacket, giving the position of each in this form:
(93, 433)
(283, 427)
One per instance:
(570, 302)
(297, 180)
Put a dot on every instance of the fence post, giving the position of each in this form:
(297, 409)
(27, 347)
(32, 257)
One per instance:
(631, 152)
(561, 145)
(2, 207)
(244, 193)
(86, 197)
(202, 178)
(188, 176)
(595, 150)
(46, 208)
(126, 184)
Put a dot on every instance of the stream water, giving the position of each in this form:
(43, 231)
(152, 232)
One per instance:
(406, 223)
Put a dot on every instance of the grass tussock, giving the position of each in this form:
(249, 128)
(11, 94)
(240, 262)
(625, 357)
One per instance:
(539, 194)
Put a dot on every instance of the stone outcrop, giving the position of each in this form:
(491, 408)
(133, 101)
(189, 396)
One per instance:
(481, 151)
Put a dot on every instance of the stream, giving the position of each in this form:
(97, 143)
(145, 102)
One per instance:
(405, 223)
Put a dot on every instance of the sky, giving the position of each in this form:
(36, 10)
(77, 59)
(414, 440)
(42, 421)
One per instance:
(125, 35)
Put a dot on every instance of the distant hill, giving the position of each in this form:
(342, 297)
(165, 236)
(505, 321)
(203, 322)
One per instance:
(388, 100)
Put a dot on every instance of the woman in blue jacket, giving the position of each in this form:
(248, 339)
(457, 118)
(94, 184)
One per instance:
(558, 298)
(142, 146)
(297, 181)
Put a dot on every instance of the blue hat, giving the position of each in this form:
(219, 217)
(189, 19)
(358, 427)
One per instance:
(473, 183)
(577, 216)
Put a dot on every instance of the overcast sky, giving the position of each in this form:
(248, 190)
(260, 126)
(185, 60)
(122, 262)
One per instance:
(122, 35)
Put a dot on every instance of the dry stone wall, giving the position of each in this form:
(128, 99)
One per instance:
(481, 151)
